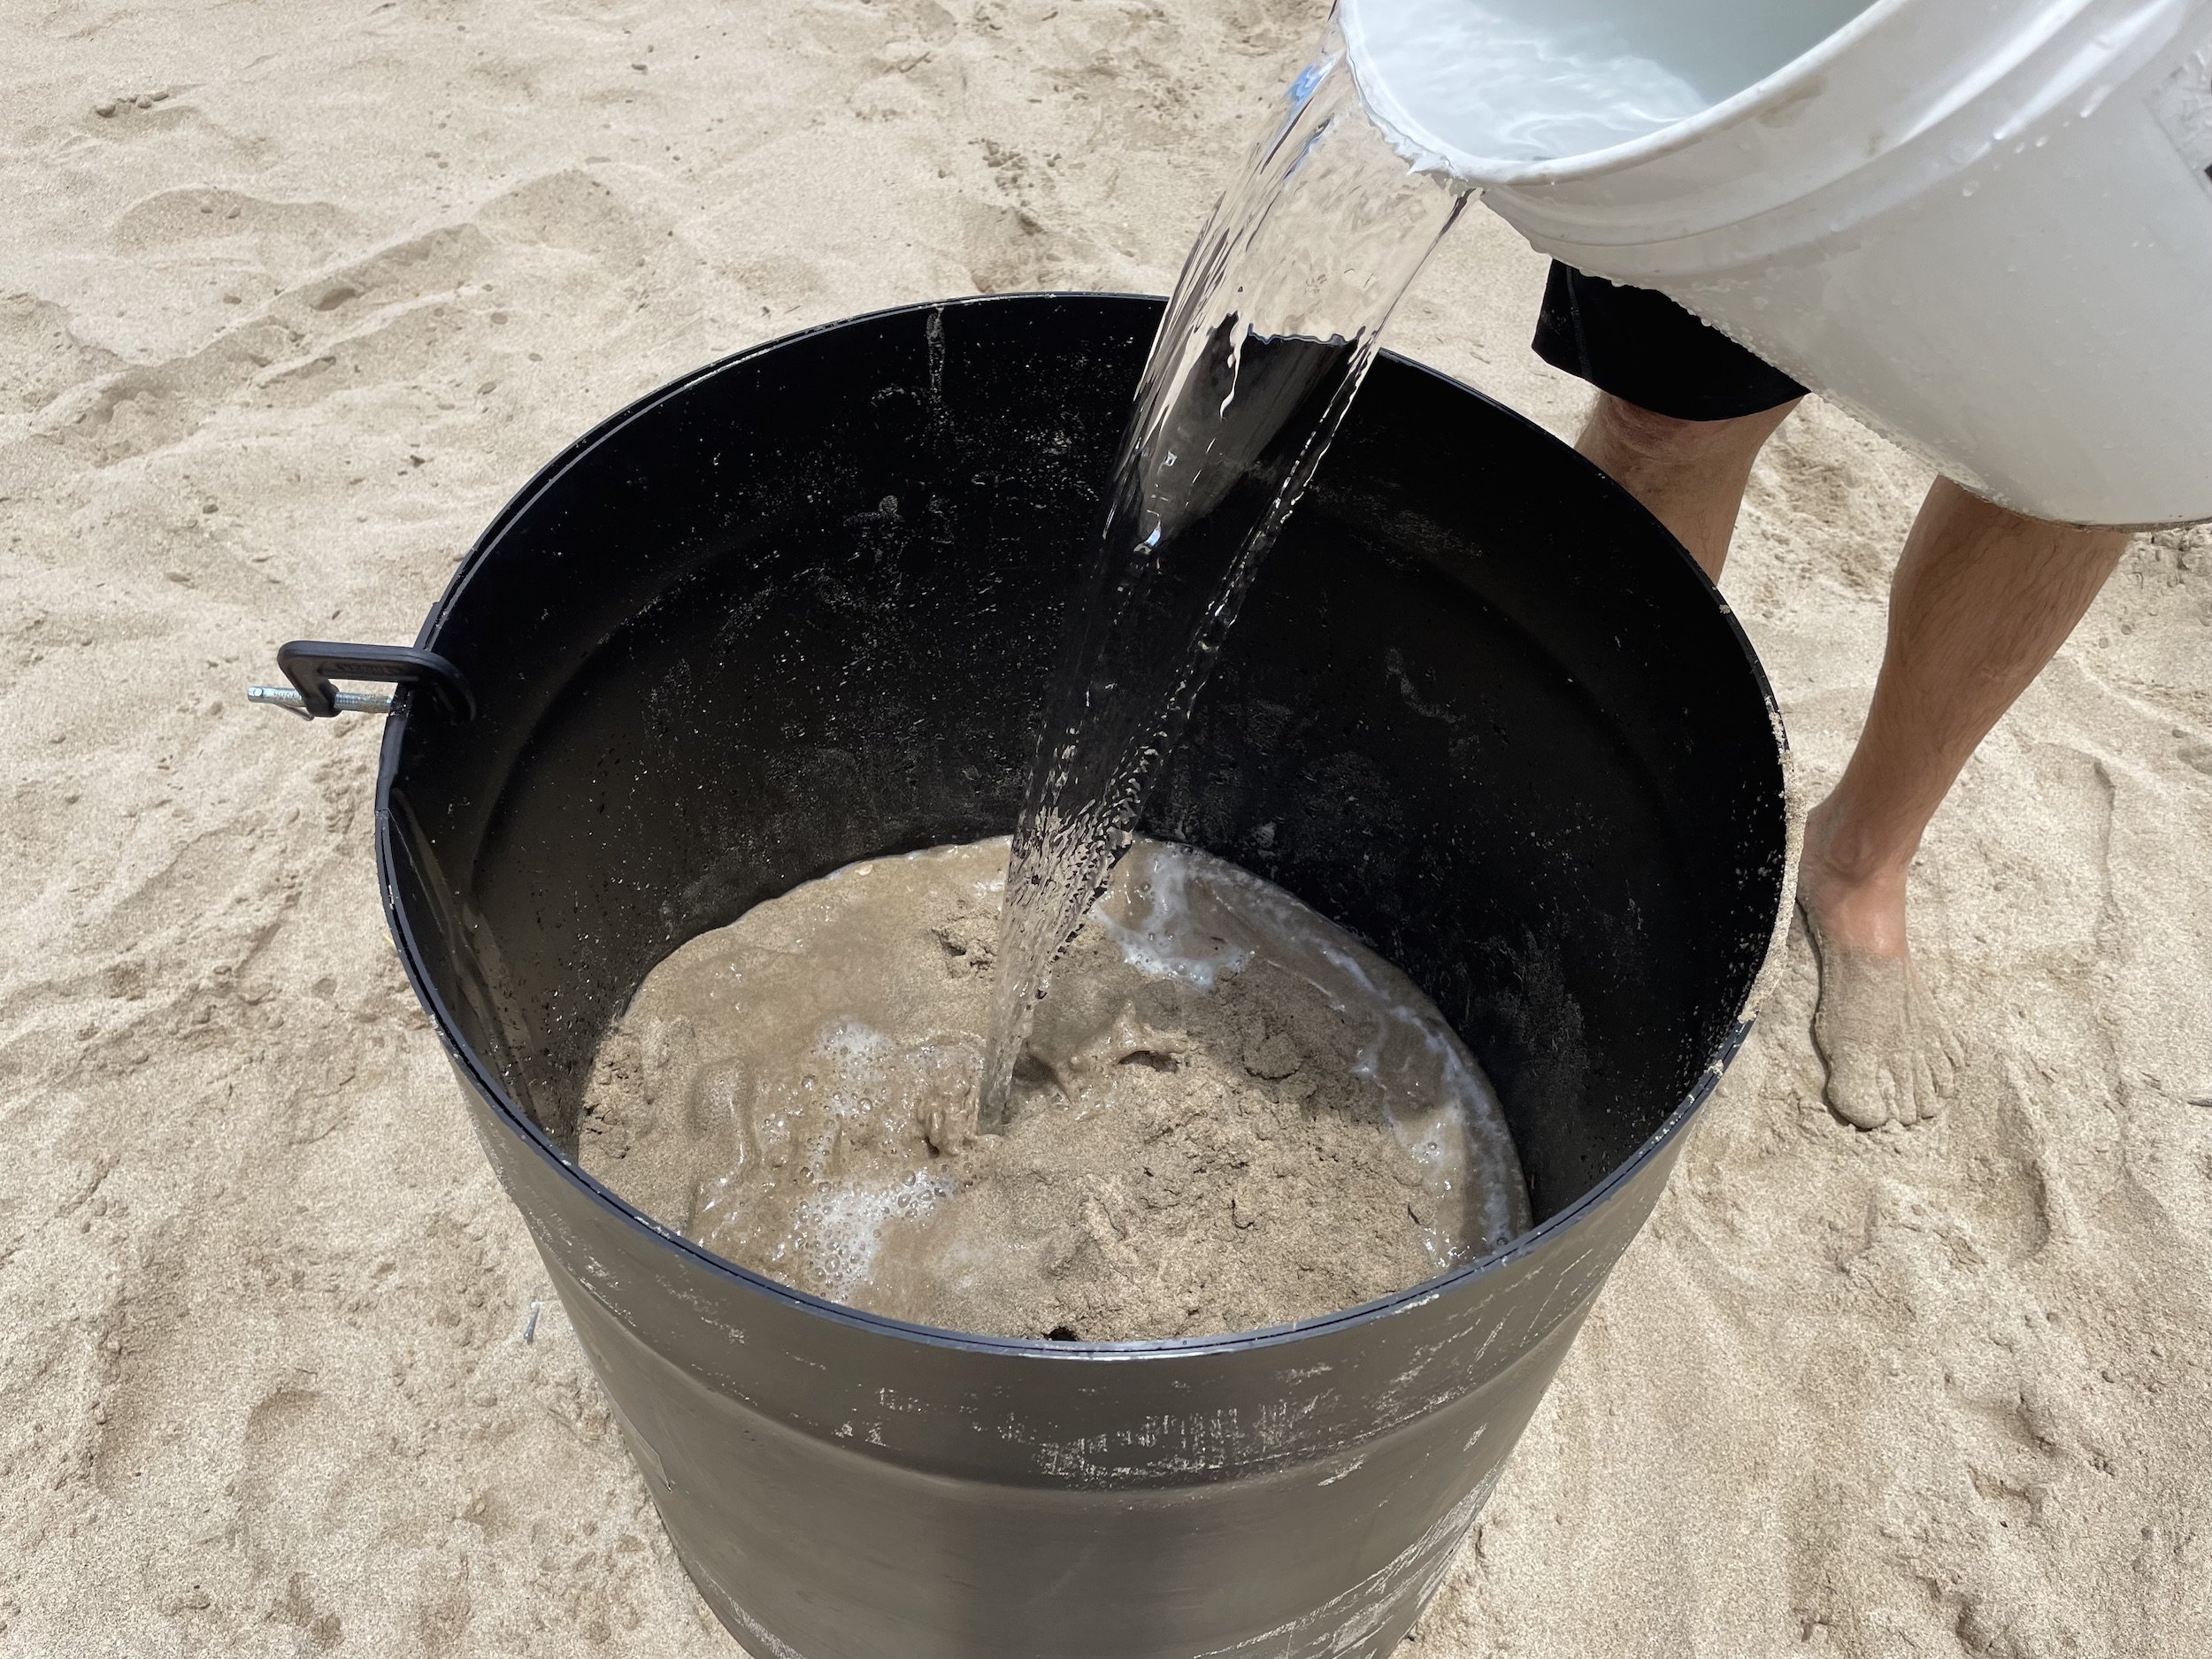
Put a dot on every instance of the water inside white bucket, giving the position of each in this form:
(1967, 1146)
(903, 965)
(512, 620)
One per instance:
(1540, 80)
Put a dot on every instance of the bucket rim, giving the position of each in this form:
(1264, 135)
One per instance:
(1430, 153)
(481, 1078)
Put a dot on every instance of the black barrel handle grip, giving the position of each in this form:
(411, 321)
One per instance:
(311, 665)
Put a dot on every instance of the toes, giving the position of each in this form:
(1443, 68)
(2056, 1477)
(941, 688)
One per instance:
(1860, 1090)
(1944, 1062)
(1862, 1109)
(1890, 1055)
(1953, 1051)
(1927, 1099)
(1946, 1055)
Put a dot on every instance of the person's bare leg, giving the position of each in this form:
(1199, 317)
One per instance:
(1983, 598)
(1690, 473)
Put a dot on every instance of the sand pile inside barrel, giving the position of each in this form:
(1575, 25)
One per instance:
(1232, 1114)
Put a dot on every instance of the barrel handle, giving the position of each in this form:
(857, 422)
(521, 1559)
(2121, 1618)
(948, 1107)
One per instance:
(311, 665)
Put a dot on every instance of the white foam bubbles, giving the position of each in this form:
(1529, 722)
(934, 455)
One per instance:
(839, 1229)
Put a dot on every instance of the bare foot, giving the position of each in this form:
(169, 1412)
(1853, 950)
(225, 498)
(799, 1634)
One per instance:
(1890, 1055)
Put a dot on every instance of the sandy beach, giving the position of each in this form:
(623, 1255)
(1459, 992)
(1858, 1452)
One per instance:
(293, 296)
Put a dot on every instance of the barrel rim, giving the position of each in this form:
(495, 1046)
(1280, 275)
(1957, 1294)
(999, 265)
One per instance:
(480, 1077)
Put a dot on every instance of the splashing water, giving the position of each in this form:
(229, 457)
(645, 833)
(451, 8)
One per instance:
(1272, 325)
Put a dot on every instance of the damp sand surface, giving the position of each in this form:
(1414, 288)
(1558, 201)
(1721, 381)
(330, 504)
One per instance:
(1231, 1113)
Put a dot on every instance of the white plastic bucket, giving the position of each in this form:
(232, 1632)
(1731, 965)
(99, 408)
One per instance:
(1983, 226)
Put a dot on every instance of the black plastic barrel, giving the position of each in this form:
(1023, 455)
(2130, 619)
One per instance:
(798, 609)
